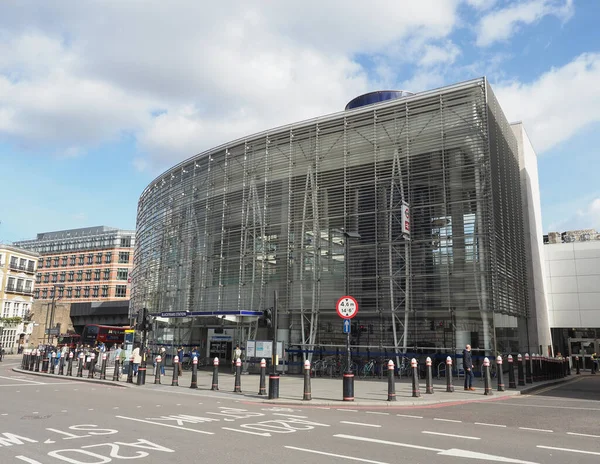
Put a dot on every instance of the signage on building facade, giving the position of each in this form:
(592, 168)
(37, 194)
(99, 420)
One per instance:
(405, 219)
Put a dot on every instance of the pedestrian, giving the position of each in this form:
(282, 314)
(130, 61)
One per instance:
(594, 363)
(137, 359)
(237, 353)
(122, 358)
(180, 355)
(163, 359)
(468, 367)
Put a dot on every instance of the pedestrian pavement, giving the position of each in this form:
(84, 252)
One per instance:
(325, 391)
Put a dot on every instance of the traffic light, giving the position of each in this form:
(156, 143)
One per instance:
(267, 318)
(146, 323)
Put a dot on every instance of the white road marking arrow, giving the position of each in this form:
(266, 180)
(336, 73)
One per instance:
(49, 441)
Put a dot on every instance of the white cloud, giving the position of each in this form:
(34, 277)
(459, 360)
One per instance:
(577, 218)
(556, 105)
(481, 5)
(501, 24)
(183, 76)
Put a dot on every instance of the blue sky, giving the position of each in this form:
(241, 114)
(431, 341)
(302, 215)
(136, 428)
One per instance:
(99, 97)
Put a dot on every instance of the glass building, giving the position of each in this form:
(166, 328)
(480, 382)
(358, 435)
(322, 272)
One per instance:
(298, 216)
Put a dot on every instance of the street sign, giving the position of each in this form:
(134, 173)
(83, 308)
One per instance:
(52, 331)
(347, 307)
(346, 326)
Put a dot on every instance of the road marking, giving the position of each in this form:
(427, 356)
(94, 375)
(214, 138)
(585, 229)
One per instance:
(569, 450)
(380, 413)
(348, 410)
(164, 425)
(385, 442)
(450, 435)
(5, 414)
(341, 456)
(262, 434)
(22, 380)
(322, 408)
(481, 456)
(360, 423)
(502, 403)
(446, 420)
(489, 425)
(410, 417)
(536, 430)
(289, 415)
(572, 433)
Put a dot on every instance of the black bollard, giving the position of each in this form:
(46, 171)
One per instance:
(103, 367)
(273, 386)
(45, 362)
(487, 381)
(61, 366)
(92, 366)
(194, 382)
(511, 372)
(535, 376)
(528, 376)
(158, 360)
(449, 386)
(416, 392)
(391, 381)
(237, 387)
(37, 361)
(577, 371)
(141, 375)
(520, 376)
(116, 372)
(215, 379)
(428, 377)
(70, 365)
(32, 360)
(52, 362)
(80, 366)
(500, 374)
(307, 390)
(262, 389)
(175, 382)
(24, 361)
(130, 370)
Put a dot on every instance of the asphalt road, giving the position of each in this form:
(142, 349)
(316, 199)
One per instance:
(50, 420)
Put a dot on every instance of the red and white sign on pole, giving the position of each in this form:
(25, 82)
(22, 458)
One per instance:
(405, 219)
(347, 307)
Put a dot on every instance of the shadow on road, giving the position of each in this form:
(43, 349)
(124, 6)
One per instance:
(583, 387)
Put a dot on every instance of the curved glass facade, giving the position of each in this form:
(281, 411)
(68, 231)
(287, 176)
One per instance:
(312, 211)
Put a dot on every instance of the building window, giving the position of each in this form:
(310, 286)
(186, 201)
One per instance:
(36, 293)
(20, 285)
(14, 262)
(106, 274)
(105, 291)
(10, 286)
(48, 262)
(69, 292)
(86, 292)
(79, 276)
(81, 260)
(122, 273)
(64, 261)
(54, 277)
(63, 276)
(97, 274)
(55, 261)
(46, 277)
(95, 291)
(28, 286)
(61, 291)
(41, 263)
(88, 275)
(125, 242)
(123, 257)
(72, 260)
(108, 258)
(71, 276)
(22, 264)
(16, 309)
(44, 293)
(121, 291)
(6, 310)
(99, 258)
(30, 266)
(90, 259)
(38, 278)
(77, 292)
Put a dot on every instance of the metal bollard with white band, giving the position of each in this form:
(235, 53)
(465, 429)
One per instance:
(80, 366)
(511, 372)
(215, 379)
(391, 381)
(37, 361)
(416, 392)
(92, 366)
(116, 372)
(237, 387)
(307, 389)
(528, 376)
(158, 360)
(262, 385)
(487, 381)
(130, 370)
(194, 382)
(103, 367)
(175, 381)
(428, 377)
(500, 374)
(52, 362)
(449, 386)
(520, 376)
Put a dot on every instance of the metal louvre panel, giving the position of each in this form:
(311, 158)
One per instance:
(225, 229)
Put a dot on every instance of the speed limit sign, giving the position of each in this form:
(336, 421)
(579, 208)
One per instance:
(347, 307)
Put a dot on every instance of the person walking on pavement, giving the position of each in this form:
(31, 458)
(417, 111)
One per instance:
(122, 358)
(180, 355)
(468, 367)
(594, 363)
(237, 353)
(163, 359)
(137, 359)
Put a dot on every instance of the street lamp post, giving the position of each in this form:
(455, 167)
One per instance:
(348, 384)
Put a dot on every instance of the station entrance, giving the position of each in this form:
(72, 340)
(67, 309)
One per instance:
(584, 348)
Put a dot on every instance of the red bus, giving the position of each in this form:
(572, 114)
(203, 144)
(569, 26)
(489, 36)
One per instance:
(107, 334)
(71, 340)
